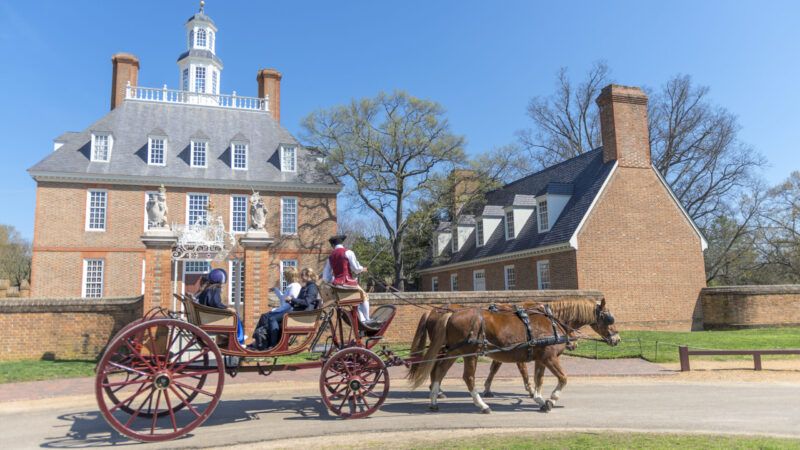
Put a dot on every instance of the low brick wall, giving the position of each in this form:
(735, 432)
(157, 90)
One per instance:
(405, 322)
(62, 328)
(751, 306)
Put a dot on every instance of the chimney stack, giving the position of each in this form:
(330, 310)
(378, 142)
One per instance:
(623, 125)
(465, 185)
(269, 84)
(126, 69)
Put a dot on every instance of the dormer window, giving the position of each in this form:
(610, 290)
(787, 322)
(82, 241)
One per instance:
(156, 151)
(509, 224)
(199, 153)
(201, 37)
(239, 150)
(544, 220)
(479, 232)
(101, 147)
(288, 158)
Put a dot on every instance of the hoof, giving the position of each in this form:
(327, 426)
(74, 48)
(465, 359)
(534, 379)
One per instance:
(539, 400)
(433, 408)
(548, 405)
(486, 411)
(441, 395)
(488, 394)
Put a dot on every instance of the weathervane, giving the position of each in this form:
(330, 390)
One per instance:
(202, 4)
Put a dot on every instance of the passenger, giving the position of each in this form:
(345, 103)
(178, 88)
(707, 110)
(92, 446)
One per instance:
(211, 295)
(340, 270)
(264, 336)
(308, 299)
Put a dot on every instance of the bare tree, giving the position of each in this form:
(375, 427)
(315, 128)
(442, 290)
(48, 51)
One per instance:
(780, 230)
(385, 149)
(15, 256)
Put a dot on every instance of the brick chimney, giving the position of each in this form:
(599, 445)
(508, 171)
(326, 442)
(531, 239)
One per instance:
(623, 125)
(269, 84)
(126, 69)
(465, 185)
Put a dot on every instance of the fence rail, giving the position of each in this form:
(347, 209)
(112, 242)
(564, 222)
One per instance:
(165, 95)
(685, 352)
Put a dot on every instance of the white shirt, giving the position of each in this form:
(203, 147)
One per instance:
(292, 291)
(355, 267)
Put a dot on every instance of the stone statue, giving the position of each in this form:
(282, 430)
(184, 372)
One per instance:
(258, 212)
(157, 209)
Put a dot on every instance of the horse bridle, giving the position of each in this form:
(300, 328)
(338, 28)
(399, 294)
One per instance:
(602, 315)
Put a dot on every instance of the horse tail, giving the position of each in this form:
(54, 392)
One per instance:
(421, 371)
(420, 337)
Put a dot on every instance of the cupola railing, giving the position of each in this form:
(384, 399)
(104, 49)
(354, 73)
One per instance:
(164, 95)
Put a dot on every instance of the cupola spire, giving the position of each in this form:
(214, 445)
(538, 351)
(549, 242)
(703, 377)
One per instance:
(200, 68)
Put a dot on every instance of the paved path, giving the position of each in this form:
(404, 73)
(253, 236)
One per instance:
(251, 412)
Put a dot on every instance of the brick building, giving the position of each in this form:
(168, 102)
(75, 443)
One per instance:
(210, 152)
(605, 220)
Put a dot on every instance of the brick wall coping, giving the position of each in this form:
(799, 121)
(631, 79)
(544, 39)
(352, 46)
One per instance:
(483, 297)
(773, 289)
(56, 305)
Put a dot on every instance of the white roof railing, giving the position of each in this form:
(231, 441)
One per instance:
(165, 95)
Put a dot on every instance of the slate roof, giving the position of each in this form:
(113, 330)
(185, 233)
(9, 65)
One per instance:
(585, 174)
(203, 53)
(133, 121)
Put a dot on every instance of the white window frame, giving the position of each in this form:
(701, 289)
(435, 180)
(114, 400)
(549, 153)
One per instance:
(204, 78)
(201, 32)
(284, 264)
(211, 45)
(234, 144)
(543, 226)
(296, 214)
(188, 201)
(236, 301)
(509, 225)
(189, 266)
(192, 161)
(84, 278)
(479, 237)
(186, 82)
(93, 154)
(434, 284)
(454, 282)
(89, 210)
(233, 197)
(150, 140)
(284, 163)
(475, 274)
(539, 270)
(506, 283)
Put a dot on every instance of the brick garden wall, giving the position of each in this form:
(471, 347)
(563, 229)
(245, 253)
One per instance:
(751, 306)
(62, 328)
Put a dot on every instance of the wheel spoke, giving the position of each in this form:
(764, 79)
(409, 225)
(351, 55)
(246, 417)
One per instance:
(194, 374)
(122, 384)
(345, 397)
(171, 412)
(125, 368)
(130, 399)
(155, 414)
(183, 350)
(139, 409)
(180, 368)
(188, 405)
(139, 356)
(151, 344)
(193, 388)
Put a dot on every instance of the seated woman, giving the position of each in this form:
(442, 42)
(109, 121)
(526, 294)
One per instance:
(211, 295)
(262, 336)
(307, 299)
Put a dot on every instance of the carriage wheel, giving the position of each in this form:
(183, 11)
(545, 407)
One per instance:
(159, 380)
(354, 383)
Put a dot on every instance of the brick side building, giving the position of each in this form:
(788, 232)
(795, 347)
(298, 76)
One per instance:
(210, 152)
(605, 220)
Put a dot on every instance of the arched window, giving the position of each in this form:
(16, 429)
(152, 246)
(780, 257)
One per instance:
(201, 37)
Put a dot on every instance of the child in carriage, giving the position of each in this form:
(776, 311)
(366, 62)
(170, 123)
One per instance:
(340, 270)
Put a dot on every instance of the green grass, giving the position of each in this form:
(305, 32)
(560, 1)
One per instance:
(643, 343)
(33, 370)
(612, 441)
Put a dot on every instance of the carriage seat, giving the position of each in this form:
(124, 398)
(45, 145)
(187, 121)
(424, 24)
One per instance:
(206, 316)
(378, 318)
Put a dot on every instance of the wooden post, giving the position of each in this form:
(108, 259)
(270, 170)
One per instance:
(683, 353)
(757, 360)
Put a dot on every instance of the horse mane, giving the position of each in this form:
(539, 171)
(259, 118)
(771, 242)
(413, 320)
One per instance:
(580, 310)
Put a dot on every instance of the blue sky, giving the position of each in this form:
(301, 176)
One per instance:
(482, 60)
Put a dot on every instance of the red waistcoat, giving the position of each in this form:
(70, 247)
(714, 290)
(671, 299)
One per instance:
(341, 268)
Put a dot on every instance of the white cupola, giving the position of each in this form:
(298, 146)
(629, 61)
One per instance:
(200, 68)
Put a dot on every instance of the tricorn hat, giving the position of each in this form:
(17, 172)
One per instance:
(338, 239)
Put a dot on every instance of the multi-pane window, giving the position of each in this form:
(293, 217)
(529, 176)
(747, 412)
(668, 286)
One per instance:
(211, 40)
(199, 153)
(186, 79)
(236, 286)
(239, 213)
(479, 280)
(97, 202)
(197, 210)
(156, 151)
(288, 159)
(285, 264)
(510, 277)
(201, 37)
(434, 284)
(240, 156)
(544, 223)
(197, 266)
(101, 147)
(510, 224)
(454, 282)
(92, 278)
(543, 272)
(288, 215)
(479, 232)
(199, 79)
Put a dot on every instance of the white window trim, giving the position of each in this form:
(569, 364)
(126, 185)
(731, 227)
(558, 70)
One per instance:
(539, 274)
(474, 277)
(146, 198)
(85, 272)
(89, 211)
(434, 284)
(110, 147)
(245, 214)
(294, 162)
(454, 286)
(505, 223)
(246, 155)
(150, 148)
(188, 195)
(546, 226)
(505, 276)
(479, 224)
(296, 216)
(191, 153)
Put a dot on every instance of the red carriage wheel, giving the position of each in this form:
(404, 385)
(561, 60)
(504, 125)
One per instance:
(159, 380)
(354, 383)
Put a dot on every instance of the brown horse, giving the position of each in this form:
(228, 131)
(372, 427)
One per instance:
(468, 332)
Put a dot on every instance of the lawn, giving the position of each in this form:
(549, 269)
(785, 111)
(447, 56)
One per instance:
(611, 441)
(32, 370)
